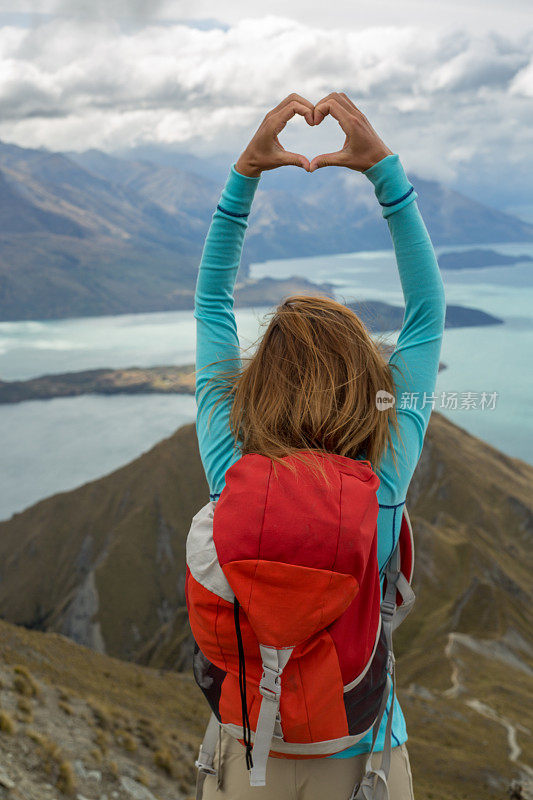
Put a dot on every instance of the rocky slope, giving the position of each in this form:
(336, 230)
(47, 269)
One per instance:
(77, 724)
(466, 653)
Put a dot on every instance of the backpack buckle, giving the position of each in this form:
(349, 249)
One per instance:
(270, 684)
(388, 607)
(205, 768)
(204, 763)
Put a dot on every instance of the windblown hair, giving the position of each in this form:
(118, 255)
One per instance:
(311, 386)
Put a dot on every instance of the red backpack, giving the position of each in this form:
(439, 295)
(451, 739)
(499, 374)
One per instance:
(293, 636)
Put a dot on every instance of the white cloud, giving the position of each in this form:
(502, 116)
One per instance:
(522, 83)
(439, 98)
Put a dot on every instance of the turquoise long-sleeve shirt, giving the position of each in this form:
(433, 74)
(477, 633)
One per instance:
(416, 353)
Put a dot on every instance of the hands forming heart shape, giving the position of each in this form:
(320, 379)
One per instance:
(361, 150)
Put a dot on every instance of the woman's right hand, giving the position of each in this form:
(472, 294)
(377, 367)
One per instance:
(362, 149)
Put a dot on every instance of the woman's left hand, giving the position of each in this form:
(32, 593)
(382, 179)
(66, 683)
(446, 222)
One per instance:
(264, 151)
(363, 147)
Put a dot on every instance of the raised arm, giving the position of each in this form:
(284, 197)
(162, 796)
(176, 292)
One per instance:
(216, 329)
(415, 360)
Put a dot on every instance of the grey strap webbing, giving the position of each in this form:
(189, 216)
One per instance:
(364, 789)
(374, 785)
(268, 723)
(206, 756)
(408, 600)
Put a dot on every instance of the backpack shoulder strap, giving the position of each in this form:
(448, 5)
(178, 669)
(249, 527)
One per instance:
(398, 583)
(373, 785)
(206, 756)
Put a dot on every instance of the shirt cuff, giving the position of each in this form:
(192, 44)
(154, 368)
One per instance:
(238, 193)
(392, 187)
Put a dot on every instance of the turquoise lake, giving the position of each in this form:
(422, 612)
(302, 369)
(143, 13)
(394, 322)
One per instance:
(55, 445)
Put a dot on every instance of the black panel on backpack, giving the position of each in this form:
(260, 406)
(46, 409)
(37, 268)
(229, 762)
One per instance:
(209, 678)
(363, 701)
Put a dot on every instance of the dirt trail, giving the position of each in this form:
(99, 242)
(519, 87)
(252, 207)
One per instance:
(458, 689)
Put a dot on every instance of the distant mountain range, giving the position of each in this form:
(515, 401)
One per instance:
(104, 565)
(85, 234)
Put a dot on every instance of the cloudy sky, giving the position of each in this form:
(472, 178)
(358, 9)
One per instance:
(448, 85)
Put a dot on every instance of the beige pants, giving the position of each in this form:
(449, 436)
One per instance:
(302, 779)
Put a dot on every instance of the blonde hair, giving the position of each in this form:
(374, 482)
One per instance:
(311, 386)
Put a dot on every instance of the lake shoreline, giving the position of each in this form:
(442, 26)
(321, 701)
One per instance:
(168, 379)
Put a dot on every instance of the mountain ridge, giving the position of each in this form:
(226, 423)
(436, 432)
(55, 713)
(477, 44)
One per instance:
(88, 234)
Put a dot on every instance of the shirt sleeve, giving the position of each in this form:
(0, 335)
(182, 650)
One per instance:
(415, 360)
(217, 342)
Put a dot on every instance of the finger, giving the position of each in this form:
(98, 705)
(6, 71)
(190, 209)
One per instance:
(294, 98)
(286, 113)
(294, 159)
(353, 108)
(317, 116)
(349, 102)
(320, 111)
(337, 159)
(337, 110)
(341, 98)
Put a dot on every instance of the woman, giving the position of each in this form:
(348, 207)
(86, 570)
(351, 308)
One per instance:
(327, 343)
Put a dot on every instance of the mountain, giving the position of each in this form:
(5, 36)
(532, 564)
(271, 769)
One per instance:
(104, 564)
(86, 234)
(465, 654)
(172, 188)
(74, 244)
